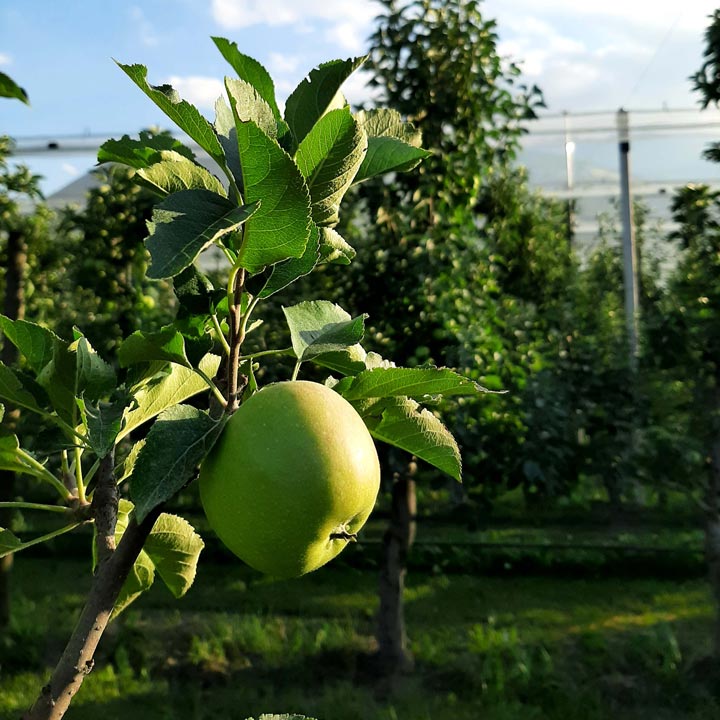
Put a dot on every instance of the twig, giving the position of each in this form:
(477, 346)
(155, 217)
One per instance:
(235, 318)
(104, 508)
(77, 659)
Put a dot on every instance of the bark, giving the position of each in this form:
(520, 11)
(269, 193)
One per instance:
(712, 535)
(77, 661)
(393, 654)
(14, 308)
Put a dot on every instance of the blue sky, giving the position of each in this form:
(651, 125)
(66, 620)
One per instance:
(585, 54)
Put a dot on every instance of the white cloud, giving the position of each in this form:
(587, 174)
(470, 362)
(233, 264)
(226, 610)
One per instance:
(599, 54)
(70, 169)
(148, 36)
(198, 90)
(356, 90)
(350, 19)
(280, 63)
(690, 14)
(347, 35)
(5, 59)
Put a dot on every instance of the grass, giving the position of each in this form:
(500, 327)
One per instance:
(498, 648)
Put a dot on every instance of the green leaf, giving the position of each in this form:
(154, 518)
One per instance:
(334, 248)
(329, 157)
(285, 273)
(59, 379)
(9, 543)
(143, 152)
(174, 172)
(350, 361)
(129, 461)
(194, 291)
(103, 421)
(142, 573)
(12, 458)
(166, 344)
(393, 145)
(13, 390)
(187, 222)
(319, 326)
(10, 89)
(176, 444)
(186, 116)
(281, 227)
(94, 378)
(249, 70)
(174, 547)
(227, 136)
(410, 382)
(312, 97)
(2, 412)
(247, 105)
(401, 422)
(283, 717)
(161, 393)
(385, 122)
(34, 342)
(387, 154)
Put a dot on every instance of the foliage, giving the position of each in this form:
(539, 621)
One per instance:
(10, 89)
(474, 262)
(506, 647)
(96, 268)
(273, 218)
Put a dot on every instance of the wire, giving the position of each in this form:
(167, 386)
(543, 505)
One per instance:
(654, 57)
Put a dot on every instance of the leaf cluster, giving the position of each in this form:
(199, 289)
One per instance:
(272, 214)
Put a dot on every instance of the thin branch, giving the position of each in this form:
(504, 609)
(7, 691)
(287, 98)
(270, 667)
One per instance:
(105, 509)
(235, 291)
(77, 659)
(49, 536)
(220, 334)
(79, 483)
(213, 387)
(39, 470)
(266, 353)
(37, 506)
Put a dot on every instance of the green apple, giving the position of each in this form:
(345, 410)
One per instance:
(292, 478)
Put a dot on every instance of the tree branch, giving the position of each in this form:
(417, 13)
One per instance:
(104, 508)
(77, 659)
(236, 340)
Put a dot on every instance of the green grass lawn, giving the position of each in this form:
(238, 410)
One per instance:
(485, 647)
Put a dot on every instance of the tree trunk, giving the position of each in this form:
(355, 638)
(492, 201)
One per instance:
(393, 655)
(14, 308)
(77, 661)
(712, 535)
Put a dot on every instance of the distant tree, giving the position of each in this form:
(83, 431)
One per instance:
(685, 342)
(706, 81)
(95, 269)
(685, 348)
(462, 251)
(18, 228)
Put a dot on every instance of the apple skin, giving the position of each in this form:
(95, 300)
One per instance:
(294, 465)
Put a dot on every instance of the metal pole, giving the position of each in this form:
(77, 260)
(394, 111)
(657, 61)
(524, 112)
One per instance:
(632, 300)
(570, 176)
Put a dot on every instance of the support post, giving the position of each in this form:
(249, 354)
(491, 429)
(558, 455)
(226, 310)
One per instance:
(628, 237)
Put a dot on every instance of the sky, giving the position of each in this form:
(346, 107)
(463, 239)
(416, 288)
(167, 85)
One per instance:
(586, 55)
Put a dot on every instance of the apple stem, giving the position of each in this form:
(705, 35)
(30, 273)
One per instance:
(343, 535)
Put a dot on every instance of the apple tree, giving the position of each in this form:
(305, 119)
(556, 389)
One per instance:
(24, 223)
(460, 249)
(271, 212)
